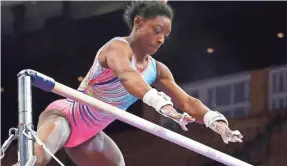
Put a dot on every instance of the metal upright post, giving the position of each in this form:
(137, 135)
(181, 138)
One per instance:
(25, 144)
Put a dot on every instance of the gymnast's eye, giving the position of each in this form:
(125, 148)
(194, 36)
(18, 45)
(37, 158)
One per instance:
(157, 30)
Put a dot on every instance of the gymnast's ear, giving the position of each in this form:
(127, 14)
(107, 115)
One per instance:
(138, 21)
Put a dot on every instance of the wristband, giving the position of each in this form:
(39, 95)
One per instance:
(212, 116)
(156, 99)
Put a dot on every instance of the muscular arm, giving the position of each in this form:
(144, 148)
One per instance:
(194, 107)
(116, 56)
(180, 98)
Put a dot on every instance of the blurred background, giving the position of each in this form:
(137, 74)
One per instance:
(230, 55)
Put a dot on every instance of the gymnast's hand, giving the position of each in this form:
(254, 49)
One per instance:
(181, 119)
(227, 135)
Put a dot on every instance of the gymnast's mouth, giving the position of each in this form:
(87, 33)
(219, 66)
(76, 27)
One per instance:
(154, 47)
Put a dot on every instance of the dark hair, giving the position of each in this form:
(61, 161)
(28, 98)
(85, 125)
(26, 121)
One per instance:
(147, 10)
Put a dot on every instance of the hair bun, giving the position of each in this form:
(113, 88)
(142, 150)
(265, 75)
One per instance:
(146, 9)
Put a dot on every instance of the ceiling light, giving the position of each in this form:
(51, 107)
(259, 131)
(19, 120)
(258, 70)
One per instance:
(210, 50)
(80, 78)
(280, 35)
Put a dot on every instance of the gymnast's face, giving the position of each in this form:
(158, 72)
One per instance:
(151, 33)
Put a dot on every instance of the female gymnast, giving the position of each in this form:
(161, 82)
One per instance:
(123, 72)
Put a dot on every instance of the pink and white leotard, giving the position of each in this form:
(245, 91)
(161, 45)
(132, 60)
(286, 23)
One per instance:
(103, 84)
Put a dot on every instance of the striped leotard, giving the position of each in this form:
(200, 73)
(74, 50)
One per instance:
(103, 84)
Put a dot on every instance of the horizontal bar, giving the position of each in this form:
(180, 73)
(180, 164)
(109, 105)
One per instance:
(135, 121)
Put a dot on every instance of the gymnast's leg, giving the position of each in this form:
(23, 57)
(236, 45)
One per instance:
(53, 131)
(100, 150)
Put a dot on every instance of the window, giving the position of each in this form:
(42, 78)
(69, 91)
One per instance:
(274, 104)
(210, 98)
(240, 92)
(223, 95)
(273, 83)
(279, 81)
(279, 103)
(230, 98)
(278, 88)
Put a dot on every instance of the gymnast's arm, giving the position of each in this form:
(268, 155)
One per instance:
(117, 57)
(194, 107)
(180, 98)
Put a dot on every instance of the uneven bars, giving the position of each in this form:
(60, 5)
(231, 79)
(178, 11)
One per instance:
(50, 85)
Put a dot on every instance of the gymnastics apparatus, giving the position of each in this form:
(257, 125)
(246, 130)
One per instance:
(26, 135)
